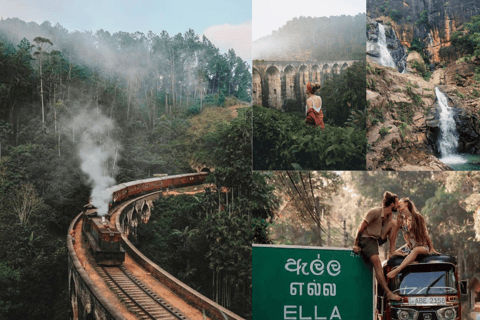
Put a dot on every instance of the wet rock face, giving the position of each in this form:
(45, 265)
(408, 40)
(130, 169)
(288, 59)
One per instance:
(393, 44)
(467, 123)
(468, 127)
(433, 22)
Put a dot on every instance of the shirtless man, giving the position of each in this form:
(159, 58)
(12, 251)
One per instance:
(376, 227)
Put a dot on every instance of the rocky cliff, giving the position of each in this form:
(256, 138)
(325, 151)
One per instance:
(394, 46)
(431, 21)
(403, 121)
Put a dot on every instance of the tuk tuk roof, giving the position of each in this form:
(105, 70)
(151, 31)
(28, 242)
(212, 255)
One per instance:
(423, 259)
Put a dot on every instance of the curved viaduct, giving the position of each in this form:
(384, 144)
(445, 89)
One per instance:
(92, 298)
(274, 82)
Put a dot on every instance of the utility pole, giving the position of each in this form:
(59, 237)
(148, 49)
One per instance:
(345, 235)
(317, 210)
(329, 238)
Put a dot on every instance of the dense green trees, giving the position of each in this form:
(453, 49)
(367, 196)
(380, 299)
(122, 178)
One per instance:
(320, 38)
(40, 194)
(145, 84)
(468, 41)
(310, 193)
(205, 240)
(134, 77)
(282, 141)
(345, 94)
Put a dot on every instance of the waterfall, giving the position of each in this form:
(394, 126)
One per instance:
(448, 140)
(386, 58)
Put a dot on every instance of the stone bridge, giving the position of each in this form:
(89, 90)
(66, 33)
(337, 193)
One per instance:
(87, 301)
(87, 298)
(276, 81)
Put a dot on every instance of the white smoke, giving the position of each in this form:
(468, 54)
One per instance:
(99, 153)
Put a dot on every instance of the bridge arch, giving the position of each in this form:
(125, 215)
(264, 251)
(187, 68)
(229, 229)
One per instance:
(344, 67)
(303, 78)
(274, 97)
(315, 74)
(290, 82)
(336, 68)
(256, 88)
(326, 70)
(73, 295)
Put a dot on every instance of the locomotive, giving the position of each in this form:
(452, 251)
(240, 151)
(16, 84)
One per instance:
(102, 237)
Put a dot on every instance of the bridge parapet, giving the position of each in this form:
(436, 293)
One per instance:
(86, 300)
(213, 310)
(275, 82)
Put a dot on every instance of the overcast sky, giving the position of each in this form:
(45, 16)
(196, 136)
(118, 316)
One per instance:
(227, 23)
(270, 15)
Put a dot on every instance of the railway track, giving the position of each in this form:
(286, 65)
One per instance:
(137, 296)
(117, 292)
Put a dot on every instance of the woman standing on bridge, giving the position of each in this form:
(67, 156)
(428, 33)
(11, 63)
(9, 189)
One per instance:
(314, 106)
(415, 234)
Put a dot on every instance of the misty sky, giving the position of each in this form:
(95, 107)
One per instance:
(270, 15)
(227, 23)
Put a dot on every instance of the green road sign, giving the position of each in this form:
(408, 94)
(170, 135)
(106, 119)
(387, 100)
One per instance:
(310, 283)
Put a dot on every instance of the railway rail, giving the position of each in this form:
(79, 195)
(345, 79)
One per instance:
(138, 296)
(140, 299)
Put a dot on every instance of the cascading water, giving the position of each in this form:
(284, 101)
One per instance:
(386, 58)
(385, 51)
(448, 140)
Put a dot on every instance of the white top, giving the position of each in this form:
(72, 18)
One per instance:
(314, 108)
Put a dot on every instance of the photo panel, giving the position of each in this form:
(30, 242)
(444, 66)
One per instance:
(370, 245)
(308, 85)
(423, 91)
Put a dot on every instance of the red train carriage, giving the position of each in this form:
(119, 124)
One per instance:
(102, 238)
(128, 190)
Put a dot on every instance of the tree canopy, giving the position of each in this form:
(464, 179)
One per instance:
(319, 38)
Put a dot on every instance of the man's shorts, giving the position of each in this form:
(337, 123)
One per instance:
(369, 246)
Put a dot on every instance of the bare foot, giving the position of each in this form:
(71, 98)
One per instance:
(392, 274)
(393, 297)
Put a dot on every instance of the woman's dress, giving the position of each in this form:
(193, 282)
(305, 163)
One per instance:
(315, 116)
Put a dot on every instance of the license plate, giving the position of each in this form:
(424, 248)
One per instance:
(426, 301)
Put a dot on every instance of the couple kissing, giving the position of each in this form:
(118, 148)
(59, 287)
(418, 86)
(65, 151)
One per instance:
(379, 225)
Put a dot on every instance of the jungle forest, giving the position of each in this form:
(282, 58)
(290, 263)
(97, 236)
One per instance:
(154, 103)
(315, 38)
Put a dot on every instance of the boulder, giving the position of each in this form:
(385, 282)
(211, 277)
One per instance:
(469, 82)
(415, 56)
(438, 77)
(459, 73)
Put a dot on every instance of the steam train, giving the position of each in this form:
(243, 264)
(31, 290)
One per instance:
(128, 190)
(102, 237)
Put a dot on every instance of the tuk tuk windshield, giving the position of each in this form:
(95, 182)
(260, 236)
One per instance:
(426, 279)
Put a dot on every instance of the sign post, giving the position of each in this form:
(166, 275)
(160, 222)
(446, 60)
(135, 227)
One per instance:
(310, 283)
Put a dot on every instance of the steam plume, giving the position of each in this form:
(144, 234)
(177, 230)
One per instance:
(98, 152)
